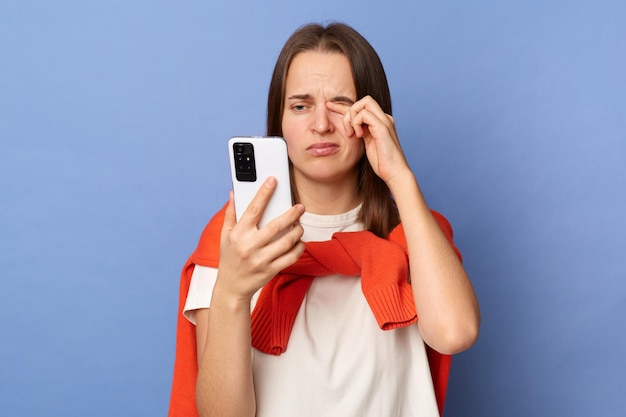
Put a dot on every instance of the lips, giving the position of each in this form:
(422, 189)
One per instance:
(322, 149)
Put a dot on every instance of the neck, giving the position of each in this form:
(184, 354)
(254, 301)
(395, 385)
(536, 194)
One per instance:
(328, 199)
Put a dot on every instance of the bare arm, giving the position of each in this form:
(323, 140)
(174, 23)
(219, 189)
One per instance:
(224, 386)
(446, 304)
(249, 257)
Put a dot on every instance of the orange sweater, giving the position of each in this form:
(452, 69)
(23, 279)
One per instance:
(383, 267)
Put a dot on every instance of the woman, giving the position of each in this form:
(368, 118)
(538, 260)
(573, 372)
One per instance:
(330, 100)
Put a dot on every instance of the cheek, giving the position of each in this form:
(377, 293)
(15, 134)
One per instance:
(290, 134)
(290, 125)
(337, 121)
(357, 146)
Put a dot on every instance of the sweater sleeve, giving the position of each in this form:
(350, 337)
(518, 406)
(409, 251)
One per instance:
(183, 393)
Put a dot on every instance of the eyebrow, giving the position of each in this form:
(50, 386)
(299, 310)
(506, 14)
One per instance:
(336, 99)
(300, 97)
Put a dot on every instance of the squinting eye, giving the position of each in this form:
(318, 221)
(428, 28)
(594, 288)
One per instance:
(298, 107)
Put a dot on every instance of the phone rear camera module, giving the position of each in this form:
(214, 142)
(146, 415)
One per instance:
(245, 168)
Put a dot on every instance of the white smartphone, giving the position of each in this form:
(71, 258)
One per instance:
(252, 161)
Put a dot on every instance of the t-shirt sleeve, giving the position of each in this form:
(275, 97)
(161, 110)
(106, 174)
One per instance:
(200, 291)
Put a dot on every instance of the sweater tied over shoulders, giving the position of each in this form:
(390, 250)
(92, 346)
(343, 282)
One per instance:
(381, 263)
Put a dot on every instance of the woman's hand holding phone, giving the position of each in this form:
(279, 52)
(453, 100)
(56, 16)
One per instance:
(250, 256)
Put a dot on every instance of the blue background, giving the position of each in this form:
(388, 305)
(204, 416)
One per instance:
(113, 122)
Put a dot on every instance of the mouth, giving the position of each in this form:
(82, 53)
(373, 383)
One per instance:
(322, 149)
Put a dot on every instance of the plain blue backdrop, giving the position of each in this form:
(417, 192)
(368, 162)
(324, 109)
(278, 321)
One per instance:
(113, 122)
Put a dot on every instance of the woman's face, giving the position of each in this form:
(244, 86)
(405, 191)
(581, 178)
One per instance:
(318, 146)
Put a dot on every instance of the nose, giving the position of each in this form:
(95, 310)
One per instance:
(321, 121)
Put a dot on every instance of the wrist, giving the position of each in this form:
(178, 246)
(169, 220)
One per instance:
(224, 297)
(402, 182)
(408, 195)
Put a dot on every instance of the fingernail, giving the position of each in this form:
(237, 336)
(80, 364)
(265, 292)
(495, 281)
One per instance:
(270, 182)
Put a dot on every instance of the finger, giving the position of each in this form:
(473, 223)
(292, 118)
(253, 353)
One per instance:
(368, 103)
(253, 213)
(338, 107)
(364, 112)
(371, 112)
(367, 115)
(282, 223)
(229, 214)
(376, 120)
(287, 249)
(364, 121)
(343, 110)
(290, 257)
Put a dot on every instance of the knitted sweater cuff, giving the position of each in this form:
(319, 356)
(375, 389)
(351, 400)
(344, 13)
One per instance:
(393, 306)
(270, 331)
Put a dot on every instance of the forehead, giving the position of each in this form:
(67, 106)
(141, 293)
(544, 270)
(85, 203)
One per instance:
(310, 72)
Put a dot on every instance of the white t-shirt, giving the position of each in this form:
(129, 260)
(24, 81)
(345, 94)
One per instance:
(338, 362)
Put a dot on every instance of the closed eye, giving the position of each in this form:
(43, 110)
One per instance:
(342, 100)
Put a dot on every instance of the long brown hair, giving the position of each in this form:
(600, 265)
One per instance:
(378, 212)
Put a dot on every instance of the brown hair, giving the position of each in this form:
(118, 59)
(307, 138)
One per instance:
(378, 213)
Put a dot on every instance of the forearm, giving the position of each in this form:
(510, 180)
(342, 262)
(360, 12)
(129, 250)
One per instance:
(446, 304)
(224, 385)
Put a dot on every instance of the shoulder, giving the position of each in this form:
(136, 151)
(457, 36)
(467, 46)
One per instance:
(207, 252)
